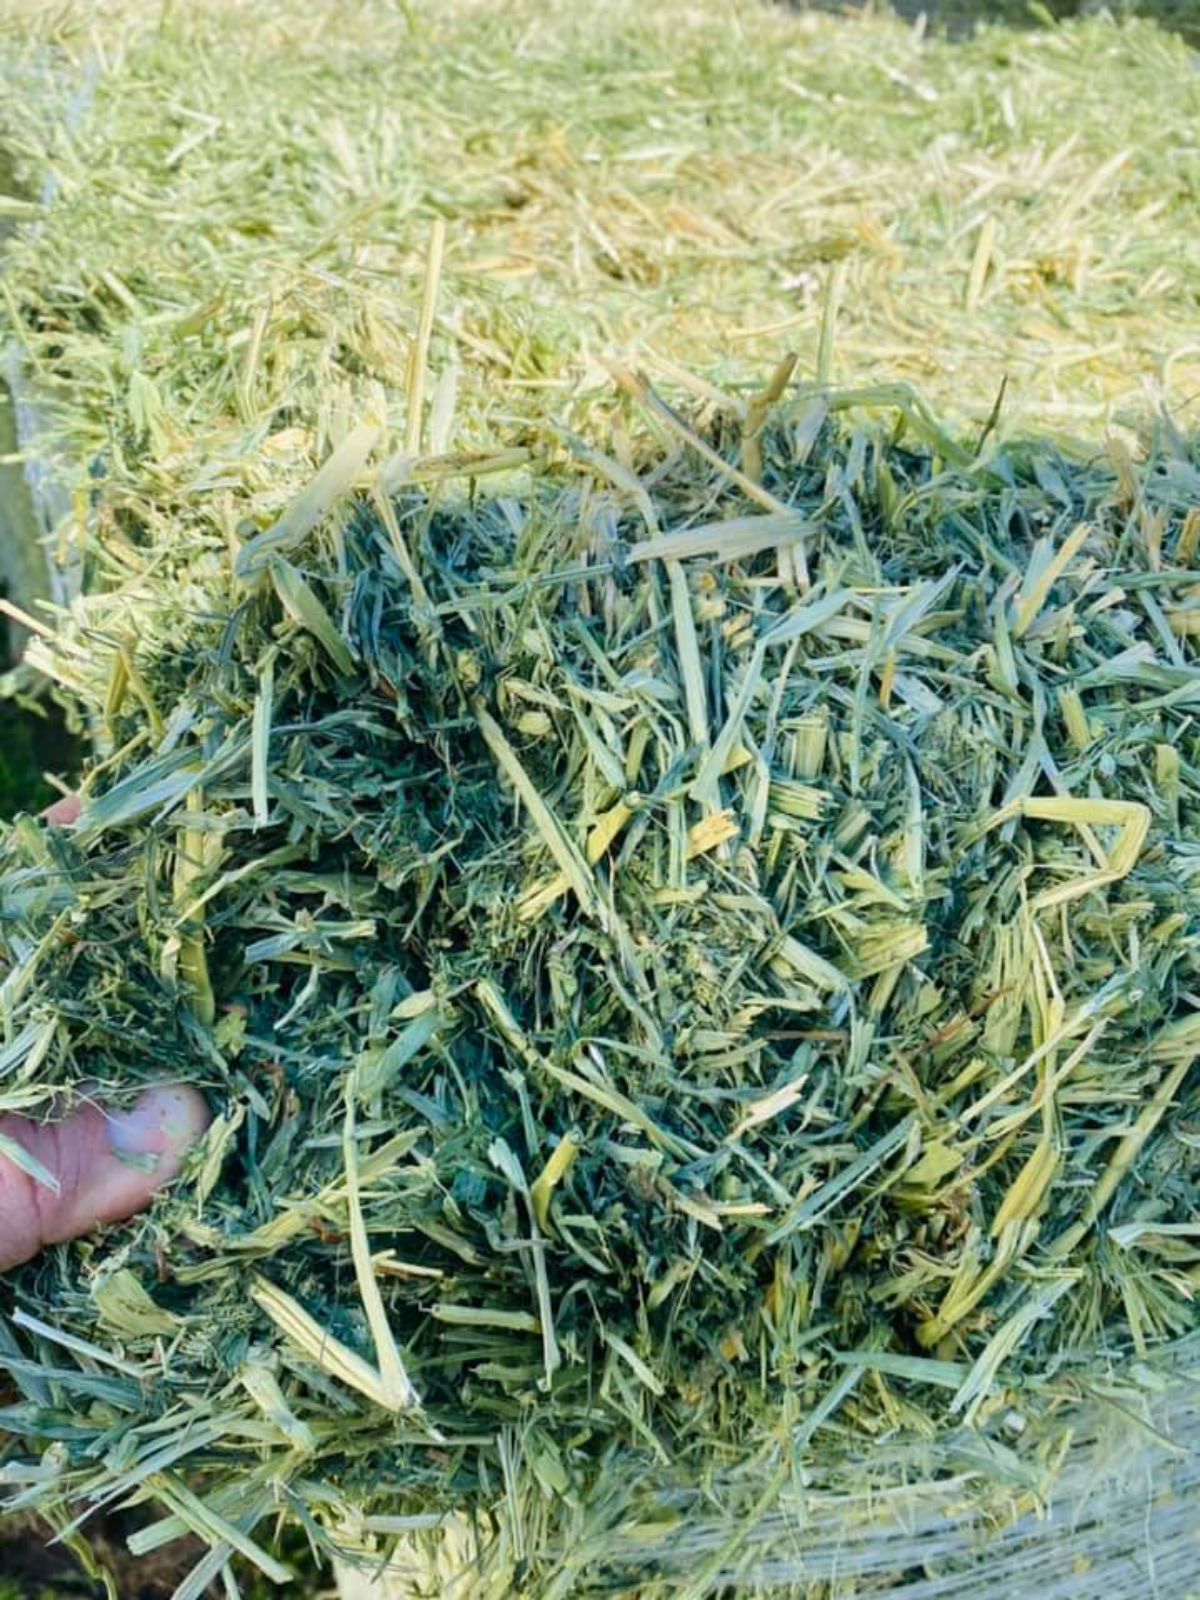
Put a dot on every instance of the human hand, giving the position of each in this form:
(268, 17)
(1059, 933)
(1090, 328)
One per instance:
(104, 1165)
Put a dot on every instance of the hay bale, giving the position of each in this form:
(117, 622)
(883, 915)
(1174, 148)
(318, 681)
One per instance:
(610, 176)
(698, 1104)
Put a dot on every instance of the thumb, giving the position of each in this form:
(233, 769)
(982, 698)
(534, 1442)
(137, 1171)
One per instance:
(106, 1165)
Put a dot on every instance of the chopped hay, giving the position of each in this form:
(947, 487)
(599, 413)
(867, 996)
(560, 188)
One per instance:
(243, 197)
(692, 944)
(700, 999)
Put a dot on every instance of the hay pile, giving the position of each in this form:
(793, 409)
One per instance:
(697, 968)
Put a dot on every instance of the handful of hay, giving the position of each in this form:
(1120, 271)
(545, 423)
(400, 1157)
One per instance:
(696, 963)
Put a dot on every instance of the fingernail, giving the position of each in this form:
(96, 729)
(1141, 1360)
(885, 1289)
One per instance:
(160, 1123)
(63, 813)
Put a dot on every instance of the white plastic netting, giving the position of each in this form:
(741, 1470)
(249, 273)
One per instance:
(1115, 1517)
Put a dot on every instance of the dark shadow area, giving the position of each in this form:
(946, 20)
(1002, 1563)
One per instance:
(32, 1568)
(960, 18)
(34, 736)
(34, 739)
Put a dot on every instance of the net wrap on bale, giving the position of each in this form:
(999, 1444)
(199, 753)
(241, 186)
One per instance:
(695, 960)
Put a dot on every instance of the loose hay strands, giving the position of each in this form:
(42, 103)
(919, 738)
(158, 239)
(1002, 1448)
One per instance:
(672, 1029)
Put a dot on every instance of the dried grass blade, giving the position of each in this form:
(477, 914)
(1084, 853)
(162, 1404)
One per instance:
(734, 539)
(396, 1383)
(330, 483)
(570, 861)
(213, 1528)
(320, 1346)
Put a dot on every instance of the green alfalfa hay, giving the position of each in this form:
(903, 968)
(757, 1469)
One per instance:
(1079, 304)
(692, 962)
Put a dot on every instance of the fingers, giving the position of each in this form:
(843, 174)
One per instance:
(106, 1166)
(65, 811)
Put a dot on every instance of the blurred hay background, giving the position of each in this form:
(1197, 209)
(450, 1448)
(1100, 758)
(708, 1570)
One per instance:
(242, 210)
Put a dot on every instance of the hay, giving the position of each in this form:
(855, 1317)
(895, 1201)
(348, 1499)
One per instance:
(241, 215)
(696, 993)
(726, 1075)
